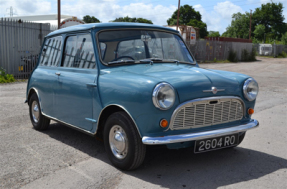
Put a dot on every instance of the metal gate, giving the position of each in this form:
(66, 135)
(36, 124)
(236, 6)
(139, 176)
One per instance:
(20, 44)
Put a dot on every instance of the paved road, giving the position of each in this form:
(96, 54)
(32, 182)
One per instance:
(64, 158)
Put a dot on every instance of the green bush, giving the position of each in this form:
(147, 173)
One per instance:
(244, 55)
(252, 56)
(232, 57)
(6, 78)
(282, 55)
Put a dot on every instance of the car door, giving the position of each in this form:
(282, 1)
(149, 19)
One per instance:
(77, 80)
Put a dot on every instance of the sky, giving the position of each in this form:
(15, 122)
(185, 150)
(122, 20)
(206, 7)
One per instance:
(215, 13)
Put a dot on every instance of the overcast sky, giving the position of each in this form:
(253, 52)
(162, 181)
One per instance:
(215, 13)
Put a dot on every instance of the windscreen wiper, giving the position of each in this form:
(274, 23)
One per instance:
(121, 62)
(151, 59)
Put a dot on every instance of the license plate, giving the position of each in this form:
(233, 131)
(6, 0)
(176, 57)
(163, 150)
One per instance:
(215, 143)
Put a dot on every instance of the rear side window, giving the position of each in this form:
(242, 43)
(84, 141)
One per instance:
(79, 52)
(51, 52)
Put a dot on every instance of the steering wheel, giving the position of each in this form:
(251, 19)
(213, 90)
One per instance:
(123, 57)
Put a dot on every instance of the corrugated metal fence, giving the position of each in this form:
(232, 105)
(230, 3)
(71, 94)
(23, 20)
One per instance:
(205, 50)
(276, 49)
(20, 44)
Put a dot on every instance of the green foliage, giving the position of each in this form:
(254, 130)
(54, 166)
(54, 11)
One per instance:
(282, 55)
(5, 78)
(259, 31)
(128, 19)
(213, 34)
(232, 57)
(90, 19)
(214, 60)
(271, 16)
(252, 56)
(239, 27)
(246, 56)
(284, 39)
(188, 16)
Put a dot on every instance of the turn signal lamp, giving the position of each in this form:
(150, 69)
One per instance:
(250, 111)
(163, 123)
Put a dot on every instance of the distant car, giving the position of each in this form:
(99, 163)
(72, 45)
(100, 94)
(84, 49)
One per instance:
(136, 85)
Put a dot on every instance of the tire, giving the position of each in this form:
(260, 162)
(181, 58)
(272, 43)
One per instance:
(122, 142)
(39, 121)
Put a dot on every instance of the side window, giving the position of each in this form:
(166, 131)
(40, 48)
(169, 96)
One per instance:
(79, 52)
(51, 52)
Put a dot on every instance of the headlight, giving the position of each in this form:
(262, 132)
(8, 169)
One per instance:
(250, 89)
(163, 96)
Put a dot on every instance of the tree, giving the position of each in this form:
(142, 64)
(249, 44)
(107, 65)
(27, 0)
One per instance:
(128, 19)
(213, 34)
(239, 27)
(271, 16)
(188, 16)
(284, 39)
(259, 31)
(89, 19)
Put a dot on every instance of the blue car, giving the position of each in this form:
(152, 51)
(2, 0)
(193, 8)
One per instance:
(135, 85)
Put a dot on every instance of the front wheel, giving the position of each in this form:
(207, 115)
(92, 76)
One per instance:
(122, 142)
(39, 121)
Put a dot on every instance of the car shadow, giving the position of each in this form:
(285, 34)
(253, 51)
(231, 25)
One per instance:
(182, 168)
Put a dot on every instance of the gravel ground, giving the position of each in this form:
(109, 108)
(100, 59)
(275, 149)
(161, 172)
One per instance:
(64, 158)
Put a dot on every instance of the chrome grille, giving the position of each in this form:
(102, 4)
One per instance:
(202, 112)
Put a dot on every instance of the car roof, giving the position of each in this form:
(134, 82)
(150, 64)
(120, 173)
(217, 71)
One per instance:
(109, 25)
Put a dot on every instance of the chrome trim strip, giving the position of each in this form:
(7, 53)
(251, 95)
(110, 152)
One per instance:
(92, 120)
(91, 85)
(199, 136)
(214, 90)
(121, 108)
(69, 125)
(203, 99)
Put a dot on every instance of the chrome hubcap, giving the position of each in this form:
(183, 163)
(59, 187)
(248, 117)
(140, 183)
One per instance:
(118, 142)
(35, 111)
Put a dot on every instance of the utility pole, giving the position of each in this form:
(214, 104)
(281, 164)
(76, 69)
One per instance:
(177, 14)
(59, 13)
(250, 25)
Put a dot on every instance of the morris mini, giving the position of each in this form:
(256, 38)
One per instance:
(135, 85)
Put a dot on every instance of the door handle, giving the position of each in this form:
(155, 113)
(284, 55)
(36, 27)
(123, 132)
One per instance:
(58, 73)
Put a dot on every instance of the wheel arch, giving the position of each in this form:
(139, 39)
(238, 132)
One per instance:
(31, 92)
(106, 112)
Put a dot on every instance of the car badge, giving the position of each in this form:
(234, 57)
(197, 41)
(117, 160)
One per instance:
(214, 90)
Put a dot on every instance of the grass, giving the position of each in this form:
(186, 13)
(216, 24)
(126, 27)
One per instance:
(6, 78)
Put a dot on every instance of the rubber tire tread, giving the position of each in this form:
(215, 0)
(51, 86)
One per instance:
(43, 122)
(139, 147)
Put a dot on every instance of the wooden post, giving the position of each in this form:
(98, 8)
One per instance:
(250, 25)
(59, 13)
(178, 14)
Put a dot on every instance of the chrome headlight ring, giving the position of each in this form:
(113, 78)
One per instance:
(163, 96)
(250, 89)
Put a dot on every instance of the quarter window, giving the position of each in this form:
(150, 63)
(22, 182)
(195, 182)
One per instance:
(79, 52)
(51, 52)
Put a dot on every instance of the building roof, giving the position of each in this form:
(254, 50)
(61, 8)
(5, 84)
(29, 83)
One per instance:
(109, 25)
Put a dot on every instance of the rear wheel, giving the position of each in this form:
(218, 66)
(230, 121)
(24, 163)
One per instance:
(39, 121)
(122, 142)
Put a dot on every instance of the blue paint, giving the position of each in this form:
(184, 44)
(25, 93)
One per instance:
(78, 95)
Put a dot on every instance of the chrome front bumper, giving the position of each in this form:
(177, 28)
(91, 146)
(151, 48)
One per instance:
(201, 135)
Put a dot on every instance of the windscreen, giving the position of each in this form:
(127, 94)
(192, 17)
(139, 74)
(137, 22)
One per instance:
(136, 45)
